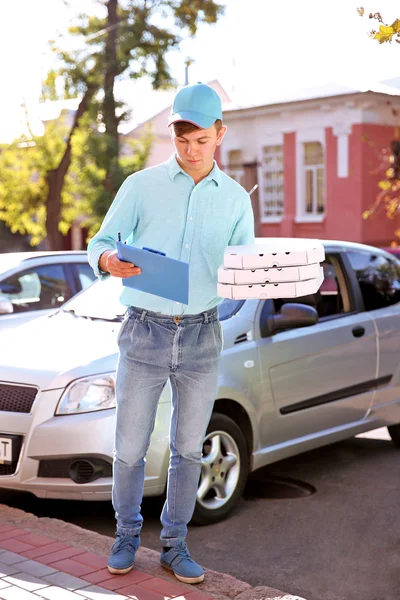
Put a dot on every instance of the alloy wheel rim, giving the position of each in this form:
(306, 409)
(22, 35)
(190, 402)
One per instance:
(220, 470)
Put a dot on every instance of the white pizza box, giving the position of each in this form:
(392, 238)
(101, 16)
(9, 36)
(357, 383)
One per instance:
(273, 275)
(292, 289)
(274, 252)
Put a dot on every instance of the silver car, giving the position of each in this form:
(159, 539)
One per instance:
(33, 284)
(294, 375)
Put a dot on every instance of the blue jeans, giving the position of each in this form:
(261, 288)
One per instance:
(155, 348)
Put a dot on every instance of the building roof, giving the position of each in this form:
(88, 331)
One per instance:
(328, 90)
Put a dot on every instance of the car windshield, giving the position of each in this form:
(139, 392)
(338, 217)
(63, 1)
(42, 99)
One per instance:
(101, 301)
(8, 261)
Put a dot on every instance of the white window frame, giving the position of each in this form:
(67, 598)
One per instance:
(273, 140)
(303, 137)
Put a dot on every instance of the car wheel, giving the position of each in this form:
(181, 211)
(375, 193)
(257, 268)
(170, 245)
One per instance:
(394, 432)
(224, 471)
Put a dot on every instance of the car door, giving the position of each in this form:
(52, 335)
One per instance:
(321, 376)
(378, 275)
(34, 292)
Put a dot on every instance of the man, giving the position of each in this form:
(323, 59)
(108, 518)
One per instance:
(190, 210)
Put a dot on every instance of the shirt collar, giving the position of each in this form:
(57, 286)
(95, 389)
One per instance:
(174, 168)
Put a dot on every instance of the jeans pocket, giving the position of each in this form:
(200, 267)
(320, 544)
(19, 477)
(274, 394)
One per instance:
(121, 329)
(219, 336)
(127, 326)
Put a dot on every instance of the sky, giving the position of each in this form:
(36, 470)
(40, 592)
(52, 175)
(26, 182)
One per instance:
(260, 50)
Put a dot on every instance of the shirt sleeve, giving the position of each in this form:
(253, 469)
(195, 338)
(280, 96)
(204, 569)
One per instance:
(243, 233)
(121, 218)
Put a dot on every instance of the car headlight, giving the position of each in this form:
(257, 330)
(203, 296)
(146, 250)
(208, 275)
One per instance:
(87, 395)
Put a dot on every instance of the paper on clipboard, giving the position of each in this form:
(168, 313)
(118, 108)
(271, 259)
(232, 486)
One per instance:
(161, 276)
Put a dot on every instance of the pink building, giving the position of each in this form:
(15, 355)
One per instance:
(317, 161)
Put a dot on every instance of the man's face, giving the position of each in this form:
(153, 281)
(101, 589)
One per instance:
(195, 150)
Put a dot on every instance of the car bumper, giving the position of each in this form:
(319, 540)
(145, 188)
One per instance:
(63, 440)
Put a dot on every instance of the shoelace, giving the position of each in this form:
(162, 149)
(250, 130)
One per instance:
(182, 553)
(123, 543)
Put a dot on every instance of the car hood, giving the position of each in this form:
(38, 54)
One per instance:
(50, 351)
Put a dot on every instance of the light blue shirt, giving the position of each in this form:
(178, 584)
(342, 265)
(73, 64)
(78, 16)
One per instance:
(163, 209)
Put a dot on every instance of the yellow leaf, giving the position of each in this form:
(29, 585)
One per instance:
(396, 25)
(360, 11)
(385, 34)
(384, 185)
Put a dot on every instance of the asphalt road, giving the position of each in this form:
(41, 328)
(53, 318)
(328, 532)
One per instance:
(340, 543)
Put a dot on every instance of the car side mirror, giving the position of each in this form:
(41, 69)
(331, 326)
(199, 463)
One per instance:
(292, 316)
(6, 306)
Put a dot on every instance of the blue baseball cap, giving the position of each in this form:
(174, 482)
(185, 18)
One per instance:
(198, 104)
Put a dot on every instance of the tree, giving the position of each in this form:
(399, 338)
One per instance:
(389, 194)
(27, 163)
(131, 39)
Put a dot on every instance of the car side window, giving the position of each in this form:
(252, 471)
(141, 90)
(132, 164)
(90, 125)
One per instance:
(85, 274)
(39, 288)
(331, 299)
(378, 276)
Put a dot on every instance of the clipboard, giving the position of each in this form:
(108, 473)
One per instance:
(160, 276)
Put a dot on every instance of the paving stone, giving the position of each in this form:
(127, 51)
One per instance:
(162, 586)
(43, 550)
(115, 582)
(94, 592)
(16, 593)
(4, 528)
(12, 533)
(55, 556)
(15, 546)
(34, 539)
(8, 569)
(98, 576)
(9, 558)
(3, 584)
(139, 593)
(26, 581)
(35, 568)
(92, 560)
(64, 580)
(57, 593)
(72, 567)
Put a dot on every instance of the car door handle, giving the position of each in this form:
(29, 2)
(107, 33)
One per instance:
(358, 331)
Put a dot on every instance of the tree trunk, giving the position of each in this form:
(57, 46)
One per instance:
(55, 181)
(109, 106)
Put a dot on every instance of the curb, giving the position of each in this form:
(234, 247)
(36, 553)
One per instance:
(217, 585)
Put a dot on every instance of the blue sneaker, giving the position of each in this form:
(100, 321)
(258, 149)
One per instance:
(122, 554)
(178, 560)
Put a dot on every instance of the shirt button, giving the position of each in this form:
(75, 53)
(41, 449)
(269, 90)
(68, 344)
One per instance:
(190, 218)
(187, 246)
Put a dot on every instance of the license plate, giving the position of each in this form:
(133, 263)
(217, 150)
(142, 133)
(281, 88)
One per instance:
(5, 451)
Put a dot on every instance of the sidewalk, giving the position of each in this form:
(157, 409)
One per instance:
(43, 557)
(34, 566)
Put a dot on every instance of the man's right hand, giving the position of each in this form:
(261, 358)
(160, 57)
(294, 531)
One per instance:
(110, 263)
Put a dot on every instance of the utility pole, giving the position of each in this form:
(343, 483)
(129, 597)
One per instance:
(188, 62)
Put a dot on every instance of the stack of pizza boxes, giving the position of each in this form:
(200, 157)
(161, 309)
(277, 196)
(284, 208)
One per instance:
(272, 268)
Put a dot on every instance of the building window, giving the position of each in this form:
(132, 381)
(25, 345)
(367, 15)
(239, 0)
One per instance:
(271, 199)
(314, 178)
(235, 166)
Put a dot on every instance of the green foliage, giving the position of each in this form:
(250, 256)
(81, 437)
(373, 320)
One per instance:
(87, 158)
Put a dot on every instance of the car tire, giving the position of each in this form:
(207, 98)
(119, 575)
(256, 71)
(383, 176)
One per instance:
(224, 471)
(394, 432)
